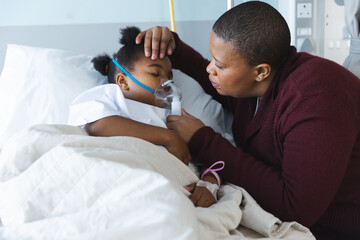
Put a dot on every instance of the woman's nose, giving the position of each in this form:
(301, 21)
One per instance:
(210, 68)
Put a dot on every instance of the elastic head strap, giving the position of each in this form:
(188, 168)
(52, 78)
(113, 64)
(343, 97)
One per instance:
(132, 78)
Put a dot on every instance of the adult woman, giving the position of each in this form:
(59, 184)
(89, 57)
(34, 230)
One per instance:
(296, 119)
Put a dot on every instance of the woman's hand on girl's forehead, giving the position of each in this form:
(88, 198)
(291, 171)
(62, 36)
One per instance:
(158, 41)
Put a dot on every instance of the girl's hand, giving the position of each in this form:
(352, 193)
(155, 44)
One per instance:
(177, 147)
(185, 125)
(158, 41)
(200, 196)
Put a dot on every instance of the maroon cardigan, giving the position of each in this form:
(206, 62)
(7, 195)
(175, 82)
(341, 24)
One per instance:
(299, 157)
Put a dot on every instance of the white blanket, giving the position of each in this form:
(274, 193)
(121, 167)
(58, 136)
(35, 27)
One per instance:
(58, 183)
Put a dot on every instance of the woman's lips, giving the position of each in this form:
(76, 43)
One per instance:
(214, 84)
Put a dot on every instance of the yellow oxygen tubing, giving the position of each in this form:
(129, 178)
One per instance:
(172, 20)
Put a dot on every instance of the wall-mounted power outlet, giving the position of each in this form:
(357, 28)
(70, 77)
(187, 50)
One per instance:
(305, 39)
(304, 10)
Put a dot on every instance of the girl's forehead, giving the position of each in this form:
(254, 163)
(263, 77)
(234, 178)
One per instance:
(160, 63)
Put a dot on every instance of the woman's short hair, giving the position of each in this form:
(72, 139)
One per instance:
(258, 31)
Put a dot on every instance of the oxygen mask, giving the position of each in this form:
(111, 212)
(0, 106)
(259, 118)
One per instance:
(168, 96)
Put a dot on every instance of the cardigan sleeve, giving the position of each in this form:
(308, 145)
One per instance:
(317, 147)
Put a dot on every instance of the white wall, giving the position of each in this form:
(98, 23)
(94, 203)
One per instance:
(86, 26)
(53, 12)
(336, 44)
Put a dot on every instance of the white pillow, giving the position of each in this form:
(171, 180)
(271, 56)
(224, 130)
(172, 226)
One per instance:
(37, 86)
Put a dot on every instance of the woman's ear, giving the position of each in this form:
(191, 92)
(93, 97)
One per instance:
(262, 71)
(122, 81)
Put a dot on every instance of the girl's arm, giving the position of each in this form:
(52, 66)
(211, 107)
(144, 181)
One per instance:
(120, 126)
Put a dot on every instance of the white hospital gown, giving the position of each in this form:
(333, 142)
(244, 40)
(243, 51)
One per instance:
(108, 100)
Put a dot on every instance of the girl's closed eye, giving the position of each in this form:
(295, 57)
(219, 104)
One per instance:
(155, 74)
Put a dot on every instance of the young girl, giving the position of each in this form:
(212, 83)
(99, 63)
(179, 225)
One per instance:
(126, 106)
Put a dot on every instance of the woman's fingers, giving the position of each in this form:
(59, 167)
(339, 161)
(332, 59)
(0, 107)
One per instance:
(140, 37)
(158, 41)
(155, 42)
(167, 43)
(147, 44)
(185, 113)
(173, 118)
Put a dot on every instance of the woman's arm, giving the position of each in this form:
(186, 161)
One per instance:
(316, 152)
(120, 126)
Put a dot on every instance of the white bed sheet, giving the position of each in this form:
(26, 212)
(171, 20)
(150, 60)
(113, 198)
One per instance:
(58, 183)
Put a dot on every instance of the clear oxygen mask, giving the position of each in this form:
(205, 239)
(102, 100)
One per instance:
(168, 96)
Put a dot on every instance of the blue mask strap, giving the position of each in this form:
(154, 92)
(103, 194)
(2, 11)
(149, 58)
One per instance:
(134, 79)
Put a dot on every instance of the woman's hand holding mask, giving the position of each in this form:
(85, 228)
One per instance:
(185, 125)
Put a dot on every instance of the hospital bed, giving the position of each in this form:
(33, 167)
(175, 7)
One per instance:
(56, 182)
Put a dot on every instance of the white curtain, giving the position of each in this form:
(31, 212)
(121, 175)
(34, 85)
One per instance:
(352, 17)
